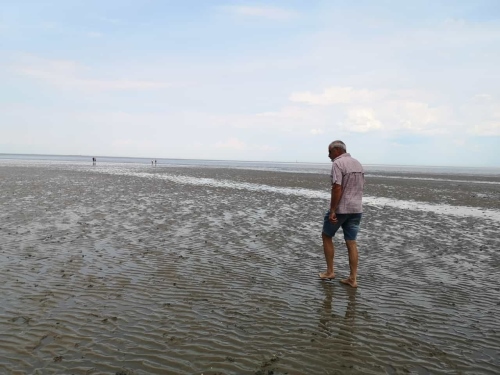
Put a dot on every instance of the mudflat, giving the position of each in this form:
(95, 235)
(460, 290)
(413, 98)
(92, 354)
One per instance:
(107, 270)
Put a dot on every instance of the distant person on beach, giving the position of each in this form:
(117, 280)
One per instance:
(348, 179)
(93, 160)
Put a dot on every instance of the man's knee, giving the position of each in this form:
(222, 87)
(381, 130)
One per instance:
(325, 236)
(351, 244)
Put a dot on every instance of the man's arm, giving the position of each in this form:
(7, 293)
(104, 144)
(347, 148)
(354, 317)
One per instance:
(334, 201)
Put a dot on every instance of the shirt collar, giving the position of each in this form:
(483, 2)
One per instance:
(341, 156)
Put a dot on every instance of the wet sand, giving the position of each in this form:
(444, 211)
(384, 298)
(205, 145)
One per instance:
(116, 273)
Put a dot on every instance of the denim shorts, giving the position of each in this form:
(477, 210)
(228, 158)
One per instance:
(348, 222)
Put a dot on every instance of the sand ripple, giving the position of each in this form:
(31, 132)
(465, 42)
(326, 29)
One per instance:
(102, 274)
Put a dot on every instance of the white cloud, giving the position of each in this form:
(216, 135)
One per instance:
(416, 117)
(364, 110)
(289, 120)
(268, 12)
(399, 116)
(317, 131)
(231, 144)
(491, 128)
(361, 120)
(481, 98)
(234, 144)
(70, 74)
(296, 113)
(336, 95)
(122, 145)
(481, 115)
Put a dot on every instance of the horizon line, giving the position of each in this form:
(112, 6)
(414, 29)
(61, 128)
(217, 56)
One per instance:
(245, 161)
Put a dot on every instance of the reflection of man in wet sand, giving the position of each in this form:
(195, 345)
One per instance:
(345, 209)
(329, 321)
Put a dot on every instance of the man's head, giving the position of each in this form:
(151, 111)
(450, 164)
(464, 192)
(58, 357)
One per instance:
(336, 148)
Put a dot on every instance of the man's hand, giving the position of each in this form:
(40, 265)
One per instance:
(336, 194)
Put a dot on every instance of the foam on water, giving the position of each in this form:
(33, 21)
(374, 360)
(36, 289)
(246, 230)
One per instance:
(461, 211)
(471, 181)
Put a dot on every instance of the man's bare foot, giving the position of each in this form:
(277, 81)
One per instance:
(326, 276)
(349, 282)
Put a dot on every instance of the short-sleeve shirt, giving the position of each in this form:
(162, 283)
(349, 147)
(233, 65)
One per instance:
(348, 173)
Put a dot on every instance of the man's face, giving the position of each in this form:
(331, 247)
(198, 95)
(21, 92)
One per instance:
(332, 153)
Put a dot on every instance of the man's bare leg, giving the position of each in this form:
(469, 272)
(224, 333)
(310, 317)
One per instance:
(352, 249)
(329, 250)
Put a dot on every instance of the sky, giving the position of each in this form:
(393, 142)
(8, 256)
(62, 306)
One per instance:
(400, 82)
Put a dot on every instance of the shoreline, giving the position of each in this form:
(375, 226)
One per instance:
(471, 171)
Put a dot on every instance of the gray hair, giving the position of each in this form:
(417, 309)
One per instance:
(337, 144)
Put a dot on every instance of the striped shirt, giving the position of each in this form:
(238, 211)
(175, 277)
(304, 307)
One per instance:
(348, 173)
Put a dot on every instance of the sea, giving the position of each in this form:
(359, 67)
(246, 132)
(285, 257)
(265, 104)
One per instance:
(294, 167)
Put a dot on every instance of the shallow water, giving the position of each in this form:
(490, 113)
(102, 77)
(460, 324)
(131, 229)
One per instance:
(439, 208)
(214, 271)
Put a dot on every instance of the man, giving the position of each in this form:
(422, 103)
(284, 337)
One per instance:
(348, 179)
